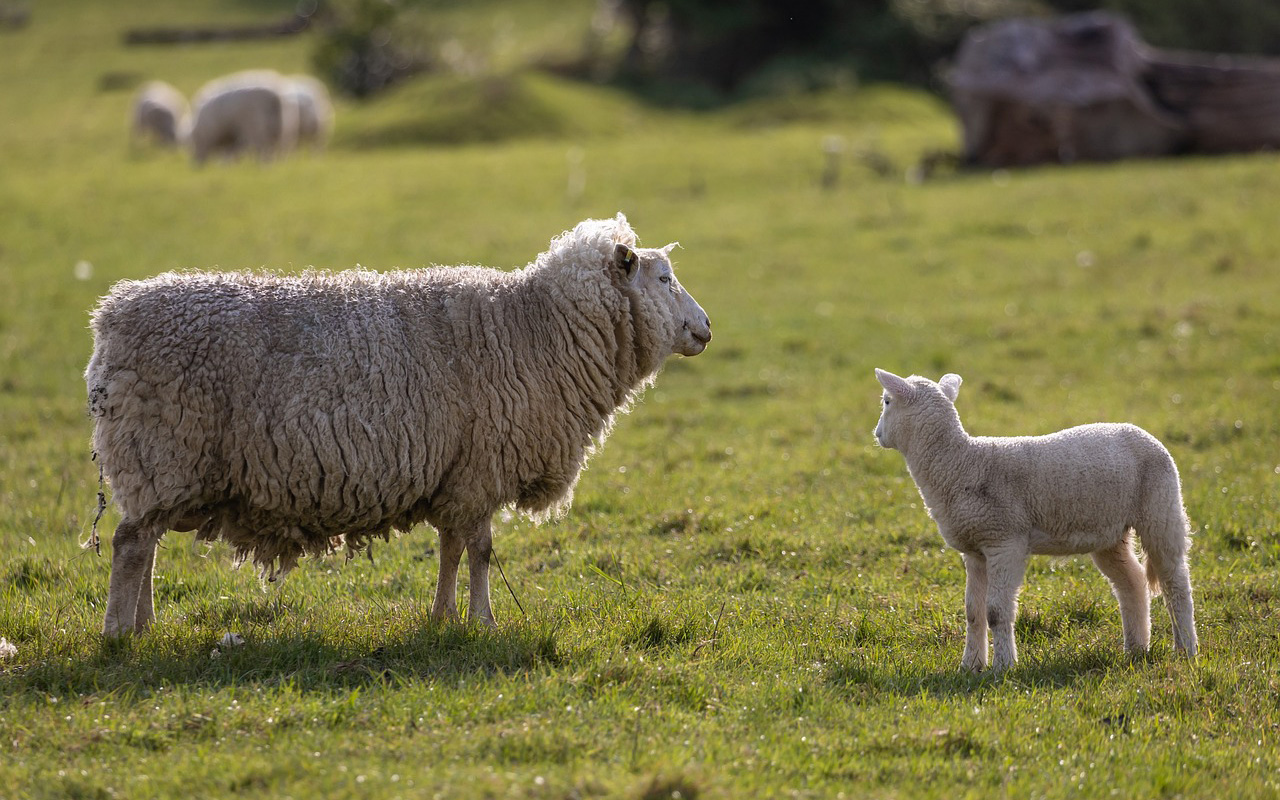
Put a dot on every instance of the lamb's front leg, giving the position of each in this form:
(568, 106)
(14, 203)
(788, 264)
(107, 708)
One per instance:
(975, 612)
(1006, 567)
(1129, 584)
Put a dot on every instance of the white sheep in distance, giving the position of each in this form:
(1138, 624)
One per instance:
(287, 415)
(160, 114)
(315, 110)
(253, 110)
(998, 500)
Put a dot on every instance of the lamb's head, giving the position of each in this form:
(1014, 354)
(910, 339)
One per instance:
(914, 405)
(664, 310)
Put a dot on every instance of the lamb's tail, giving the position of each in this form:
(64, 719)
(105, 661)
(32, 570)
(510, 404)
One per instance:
(1153, 579)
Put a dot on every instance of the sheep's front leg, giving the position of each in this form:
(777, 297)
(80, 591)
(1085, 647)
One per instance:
(1006, 568)
(133, 549)
(479, 549)
(975, 612)
(446, 602)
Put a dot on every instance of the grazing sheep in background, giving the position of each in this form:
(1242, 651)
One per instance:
(160, 114)
(1082, 490)
(254, 110)
(315, 110)
(288, 414)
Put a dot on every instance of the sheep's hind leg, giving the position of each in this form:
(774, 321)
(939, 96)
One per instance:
(145, 613)
(446, 602)
(1005, 570)
(1129, 584)
(133, 549)
(479, 549)
(975, 612)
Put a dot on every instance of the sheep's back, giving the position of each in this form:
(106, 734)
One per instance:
(308, 401)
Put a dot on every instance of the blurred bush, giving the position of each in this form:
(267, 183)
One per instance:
(367, 45)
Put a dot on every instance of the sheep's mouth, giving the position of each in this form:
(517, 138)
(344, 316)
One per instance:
(700, 341)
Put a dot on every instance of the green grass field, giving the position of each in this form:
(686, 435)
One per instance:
(747, 598)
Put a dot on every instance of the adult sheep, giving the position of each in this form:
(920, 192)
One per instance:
(997, 500)
(160, 114)
(315, 110)
(254, 110)
(287, 415)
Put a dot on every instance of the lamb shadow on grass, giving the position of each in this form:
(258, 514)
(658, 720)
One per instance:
(858, 676)
(307, 661)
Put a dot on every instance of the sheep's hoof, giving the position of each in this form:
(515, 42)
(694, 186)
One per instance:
(114, 629)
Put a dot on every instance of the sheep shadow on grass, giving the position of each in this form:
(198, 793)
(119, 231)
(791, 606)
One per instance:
(307, 661)
(857, 676)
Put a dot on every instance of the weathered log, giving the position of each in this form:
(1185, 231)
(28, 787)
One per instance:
(294, 24)
(1084, 87)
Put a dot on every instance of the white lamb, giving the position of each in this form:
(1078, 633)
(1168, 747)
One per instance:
(254, 110)
(998, 500)
(160, 114)
(290, 415)
(315, 110)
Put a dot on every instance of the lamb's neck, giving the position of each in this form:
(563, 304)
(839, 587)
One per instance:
(935, 456)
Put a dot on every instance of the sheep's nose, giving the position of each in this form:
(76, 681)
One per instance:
(701, 332)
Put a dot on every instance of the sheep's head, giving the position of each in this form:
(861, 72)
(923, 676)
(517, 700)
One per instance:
(664, 310)
(909, 404)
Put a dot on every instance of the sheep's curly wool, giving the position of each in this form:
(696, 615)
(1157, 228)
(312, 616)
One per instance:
(288, 415)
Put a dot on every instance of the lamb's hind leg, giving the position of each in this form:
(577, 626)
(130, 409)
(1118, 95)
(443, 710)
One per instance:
(1165, 537)
(1129, 584)
(1175, 581)
(133, 549)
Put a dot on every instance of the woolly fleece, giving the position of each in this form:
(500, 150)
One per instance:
(997, 500)
(254, 110)
(288, 415)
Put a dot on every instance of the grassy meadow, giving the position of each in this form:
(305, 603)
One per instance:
(747, 598)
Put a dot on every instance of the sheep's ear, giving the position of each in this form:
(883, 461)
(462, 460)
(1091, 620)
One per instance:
(950, 384)
(626, 259)
(892, 383)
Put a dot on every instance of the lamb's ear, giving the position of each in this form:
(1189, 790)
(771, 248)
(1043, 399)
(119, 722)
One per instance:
(626, 259)
(950, 384)
(892, 383)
